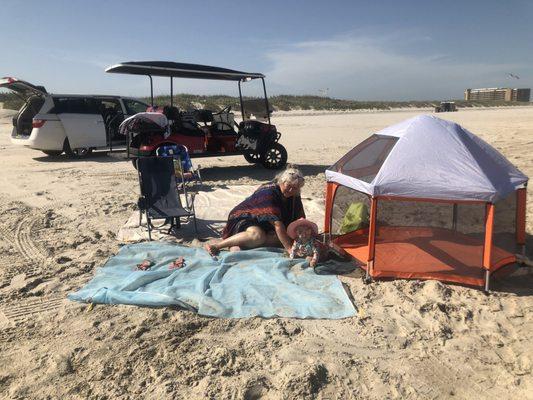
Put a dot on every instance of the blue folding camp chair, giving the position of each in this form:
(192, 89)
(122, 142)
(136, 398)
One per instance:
(160, 198)
(188, 178)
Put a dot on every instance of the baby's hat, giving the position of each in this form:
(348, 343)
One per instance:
(293, 226)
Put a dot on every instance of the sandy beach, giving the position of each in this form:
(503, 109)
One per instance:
(59, 220)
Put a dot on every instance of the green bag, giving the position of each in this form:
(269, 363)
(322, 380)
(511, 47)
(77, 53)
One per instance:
(356, 217)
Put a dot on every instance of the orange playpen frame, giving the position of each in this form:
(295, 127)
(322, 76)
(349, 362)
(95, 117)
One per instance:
(361, 245)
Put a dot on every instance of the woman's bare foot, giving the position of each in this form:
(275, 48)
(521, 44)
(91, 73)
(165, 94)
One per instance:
(234, 248)
(211, 249)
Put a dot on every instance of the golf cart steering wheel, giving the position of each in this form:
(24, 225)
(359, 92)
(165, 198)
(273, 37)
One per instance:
(225, 110)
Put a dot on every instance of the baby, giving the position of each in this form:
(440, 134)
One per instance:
(304, 232)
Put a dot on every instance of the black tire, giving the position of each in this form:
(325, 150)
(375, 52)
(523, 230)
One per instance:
(81, 152)
(52, 153)
(275, 156)
(252, 158)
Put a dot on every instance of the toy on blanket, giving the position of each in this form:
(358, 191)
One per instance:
(145, 265)
(305, 245)
(148, 263)
(177, 263)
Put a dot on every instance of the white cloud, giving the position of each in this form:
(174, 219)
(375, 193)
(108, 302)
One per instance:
(374, 68)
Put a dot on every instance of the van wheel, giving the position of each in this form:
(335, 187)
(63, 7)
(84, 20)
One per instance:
(80, 152)
(52, 153)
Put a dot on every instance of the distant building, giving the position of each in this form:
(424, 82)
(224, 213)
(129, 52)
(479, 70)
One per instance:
(502, 94)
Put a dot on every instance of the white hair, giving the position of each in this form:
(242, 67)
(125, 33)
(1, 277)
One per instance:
(291, 175)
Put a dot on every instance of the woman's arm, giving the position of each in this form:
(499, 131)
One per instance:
(281, 232)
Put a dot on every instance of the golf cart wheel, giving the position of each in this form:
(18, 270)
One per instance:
(52, 153)
(80, 152)
(252, 158)
(275, 157)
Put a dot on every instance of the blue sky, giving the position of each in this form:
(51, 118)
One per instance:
(364, 50)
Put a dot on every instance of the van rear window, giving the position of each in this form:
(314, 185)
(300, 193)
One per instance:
(75, 105)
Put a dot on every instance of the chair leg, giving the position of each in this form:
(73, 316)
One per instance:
(175, 224)
(171, 225)
(149, 227)
(198, 174)
(194, 217)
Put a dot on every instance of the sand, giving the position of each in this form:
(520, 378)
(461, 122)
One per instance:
(59, 221)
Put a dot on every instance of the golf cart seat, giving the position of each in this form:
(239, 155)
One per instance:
(175, 116)
(172, 113)
(160, 198)
(204, 116)
(188, 124)
(224, 122)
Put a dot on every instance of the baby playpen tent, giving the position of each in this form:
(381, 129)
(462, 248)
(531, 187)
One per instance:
(428, 200)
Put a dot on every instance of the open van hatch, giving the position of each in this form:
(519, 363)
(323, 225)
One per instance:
(33, 98)
(22, 88)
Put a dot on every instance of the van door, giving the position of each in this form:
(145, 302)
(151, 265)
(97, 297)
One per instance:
(113, 115)
(82, 121)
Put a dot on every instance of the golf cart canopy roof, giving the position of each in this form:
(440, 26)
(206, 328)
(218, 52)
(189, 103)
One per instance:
(181, 70)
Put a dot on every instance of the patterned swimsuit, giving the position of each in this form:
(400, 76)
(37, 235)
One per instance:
(304, 249)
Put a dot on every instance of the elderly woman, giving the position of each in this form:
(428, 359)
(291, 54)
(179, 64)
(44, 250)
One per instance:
(262, 219)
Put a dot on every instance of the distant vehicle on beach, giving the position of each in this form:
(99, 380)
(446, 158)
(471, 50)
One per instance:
(446, 106)
(70, 123)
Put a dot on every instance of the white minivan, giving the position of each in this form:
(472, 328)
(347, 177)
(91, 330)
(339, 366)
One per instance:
(74, 124)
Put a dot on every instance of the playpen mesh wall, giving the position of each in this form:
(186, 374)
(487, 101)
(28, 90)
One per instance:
(427, 239)
(505, 226)
(343, 198)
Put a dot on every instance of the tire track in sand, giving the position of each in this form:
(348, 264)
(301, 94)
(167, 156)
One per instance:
(24, 241)
(21, 238)
(24, 309)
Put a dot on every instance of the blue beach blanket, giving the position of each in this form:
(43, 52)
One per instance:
(259, 282)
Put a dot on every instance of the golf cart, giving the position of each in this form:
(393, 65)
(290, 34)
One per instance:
(205, 133)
